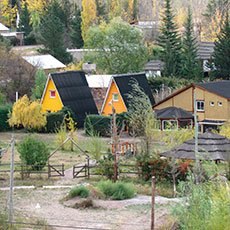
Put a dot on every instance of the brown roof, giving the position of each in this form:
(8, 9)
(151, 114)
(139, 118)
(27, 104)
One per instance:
(211, 146)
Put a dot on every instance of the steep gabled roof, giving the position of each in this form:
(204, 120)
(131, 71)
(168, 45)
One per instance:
(123, 83)
(172, 112)
(221, 88)
(74, 92)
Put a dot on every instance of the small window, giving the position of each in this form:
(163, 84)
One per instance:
(200, 105)
(220, 103)
(212, 103)
(52, 94)
(115, 96)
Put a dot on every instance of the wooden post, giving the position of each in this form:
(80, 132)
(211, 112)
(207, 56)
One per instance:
(22, 171)
(11, 183)
(49, 171)
(63, 170)
(88, 168)
(115, 145)
(153, 202)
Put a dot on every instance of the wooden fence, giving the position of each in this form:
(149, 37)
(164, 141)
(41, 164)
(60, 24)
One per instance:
(26, 170)
(88, 171)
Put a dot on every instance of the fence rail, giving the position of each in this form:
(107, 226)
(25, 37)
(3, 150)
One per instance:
(26, 170)
(82, 171)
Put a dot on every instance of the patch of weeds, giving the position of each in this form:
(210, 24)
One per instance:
(80, 191)
(96, 193)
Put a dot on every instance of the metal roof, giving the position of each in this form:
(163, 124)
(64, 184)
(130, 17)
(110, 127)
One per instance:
(98, 81)
(3, 28)
(44, 61)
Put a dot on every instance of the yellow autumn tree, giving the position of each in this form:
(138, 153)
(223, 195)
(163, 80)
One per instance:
(181, 15)
(88, 15)
(115, 9)
(37, 5)
(8, 12)
(27, 113)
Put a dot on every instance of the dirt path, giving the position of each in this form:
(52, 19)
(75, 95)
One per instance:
(128, 214)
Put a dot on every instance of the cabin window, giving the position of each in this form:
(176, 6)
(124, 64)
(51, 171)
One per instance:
(212, 103)
(170, 125)
(115, 96)
(52, 94)
(220, 103)
(200, 105)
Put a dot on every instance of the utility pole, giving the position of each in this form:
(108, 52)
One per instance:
(196, 137)
(114, 143)
(153, 203)
(11, 182)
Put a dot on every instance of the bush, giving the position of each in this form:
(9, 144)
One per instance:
(4, 111)
(106, 166)
(118, 190)
(33, 152)
(55, 120)
(162, 169)
(80, 191)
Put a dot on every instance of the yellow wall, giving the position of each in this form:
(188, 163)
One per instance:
(118, 105)
(52, 104)
(184, 100)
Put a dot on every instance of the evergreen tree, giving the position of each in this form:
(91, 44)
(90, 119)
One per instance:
(52, 33)
(170, 42)
(221, 54)
(190, 65)
(76, 38)
(24, 21)
(101, 12)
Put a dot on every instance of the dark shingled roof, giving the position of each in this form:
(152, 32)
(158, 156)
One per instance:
(205, 50)
(123, 84)
(154, 65)
(172, 112)
(75, 93)
(211, 146)
(221, 88)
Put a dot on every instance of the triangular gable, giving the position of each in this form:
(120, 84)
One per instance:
(47, 103)
(119, 105)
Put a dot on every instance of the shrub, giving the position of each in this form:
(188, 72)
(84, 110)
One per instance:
(118, 190)
(33, 152)
(95, 147)
(86, 203)
(106, 166)
(162, 168)
(96, 193)
(80, 191)
(4, 111)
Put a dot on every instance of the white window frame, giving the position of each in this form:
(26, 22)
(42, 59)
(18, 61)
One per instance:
(212, 103)
(200, 110)
(114, 96)
(220, 103)
(51, 92)
(170, 127)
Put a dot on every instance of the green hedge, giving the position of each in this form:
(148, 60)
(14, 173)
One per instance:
(54, 120)
(4, 110)
(101, 125)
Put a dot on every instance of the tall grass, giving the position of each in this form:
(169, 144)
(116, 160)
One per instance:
(207, 206)
(118, 190)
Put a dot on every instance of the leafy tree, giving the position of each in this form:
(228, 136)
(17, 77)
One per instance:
(15, 75)
(170, 42)
(40, 81)
(141, 116)
(190, 65)
(24, 22)
(221, 54)
(76, 38)
(88, 15)
(5, 43)
(52, 33)
(8, 12)
(33, 153)
(27, 113)
(117, 47)
(214, 17)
